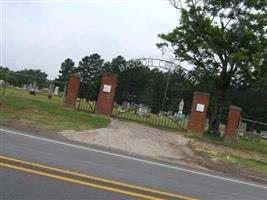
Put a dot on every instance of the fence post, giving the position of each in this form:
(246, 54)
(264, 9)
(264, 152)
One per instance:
(198, 115)
(106, 94)
(232, 124)
(72, 90)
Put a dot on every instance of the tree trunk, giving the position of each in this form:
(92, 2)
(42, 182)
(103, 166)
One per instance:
(214, 122)
(215, 119)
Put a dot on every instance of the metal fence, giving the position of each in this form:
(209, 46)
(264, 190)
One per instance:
(139, 113)
(85, 105)
(252, 129)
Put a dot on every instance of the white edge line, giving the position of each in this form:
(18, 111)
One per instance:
(136, 159)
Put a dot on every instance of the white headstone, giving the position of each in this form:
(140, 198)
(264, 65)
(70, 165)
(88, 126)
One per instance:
(2, 82)
(144, 110)
(56, 91)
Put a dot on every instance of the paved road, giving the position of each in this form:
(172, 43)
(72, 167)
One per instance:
(187, 183)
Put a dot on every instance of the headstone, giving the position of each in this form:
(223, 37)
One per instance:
(115, 104)
(178, 116)
(56, 91)
(141, 110)
(125, 105)
(32, 90)
(128, 106)
(170, 113)
(2, 82)
(119, 109)
(51, 88)
(34, 86)
(44, 90)
(144, 110)
(25, 87)
(242, 128)
(30, 87)
(134, 106)
(161, 114)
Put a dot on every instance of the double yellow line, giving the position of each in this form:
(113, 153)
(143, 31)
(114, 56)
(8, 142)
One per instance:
(104, 184)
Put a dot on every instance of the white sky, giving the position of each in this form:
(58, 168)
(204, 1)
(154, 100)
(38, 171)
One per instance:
(41, 35)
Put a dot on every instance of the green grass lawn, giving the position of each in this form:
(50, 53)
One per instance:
(19, 106)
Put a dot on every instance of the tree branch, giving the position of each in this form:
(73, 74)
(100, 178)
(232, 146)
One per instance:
(177, 4)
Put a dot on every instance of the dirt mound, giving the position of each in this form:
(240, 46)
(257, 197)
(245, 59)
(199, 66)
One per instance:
(136, 139)
(166, 146)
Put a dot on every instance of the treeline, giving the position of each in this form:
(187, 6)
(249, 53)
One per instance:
(148, 86)
(21, 77)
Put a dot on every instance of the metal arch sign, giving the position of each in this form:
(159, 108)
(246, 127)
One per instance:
(160, 64)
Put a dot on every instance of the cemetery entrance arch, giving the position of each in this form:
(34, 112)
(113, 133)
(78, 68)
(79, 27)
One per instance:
(153, 91)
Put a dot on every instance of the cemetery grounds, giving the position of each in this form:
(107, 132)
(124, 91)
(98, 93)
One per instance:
(39, 115)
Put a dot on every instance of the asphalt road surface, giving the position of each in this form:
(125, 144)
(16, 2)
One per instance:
(35, 167)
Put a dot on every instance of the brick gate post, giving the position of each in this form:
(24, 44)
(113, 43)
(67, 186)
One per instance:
(72, 90)
(106, 94)
(198, 115)
(232, 124)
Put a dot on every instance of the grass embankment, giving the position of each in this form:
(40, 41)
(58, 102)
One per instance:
(240, 144)
(256, 165)
(19, 106)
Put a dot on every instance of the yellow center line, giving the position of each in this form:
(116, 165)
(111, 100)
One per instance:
(99, 179)
(80, 182)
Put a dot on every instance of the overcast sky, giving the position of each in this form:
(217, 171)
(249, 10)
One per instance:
(41, 35)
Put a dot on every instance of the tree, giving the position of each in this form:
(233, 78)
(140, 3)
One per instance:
(67, 67)
(29, 76)
(90, 68)
(223, 40)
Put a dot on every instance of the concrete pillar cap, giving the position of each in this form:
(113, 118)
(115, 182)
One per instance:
(201, 93)
(75, 75)
(235, 108)
(109, 74)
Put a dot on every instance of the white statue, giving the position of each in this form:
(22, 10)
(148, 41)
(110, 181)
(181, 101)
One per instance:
(181, 107)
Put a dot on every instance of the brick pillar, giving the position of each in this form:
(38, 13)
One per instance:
(232, 124)
(198, 115)
(106, 94)
(72, 90)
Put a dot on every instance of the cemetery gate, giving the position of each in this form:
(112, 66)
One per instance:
(252, 129)
(157, 98)
(86, 101)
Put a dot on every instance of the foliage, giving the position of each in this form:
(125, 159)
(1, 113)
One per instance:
(224, 40)
(67, 67)
(26, 76)
(90, 69)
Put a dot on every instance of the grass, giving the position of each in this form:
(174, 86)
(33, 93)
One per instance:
(240, 144)
(49, 114)
(257, 165)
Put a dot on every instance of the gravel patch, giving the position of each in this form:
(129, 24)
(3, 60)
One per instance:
(135, 139)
